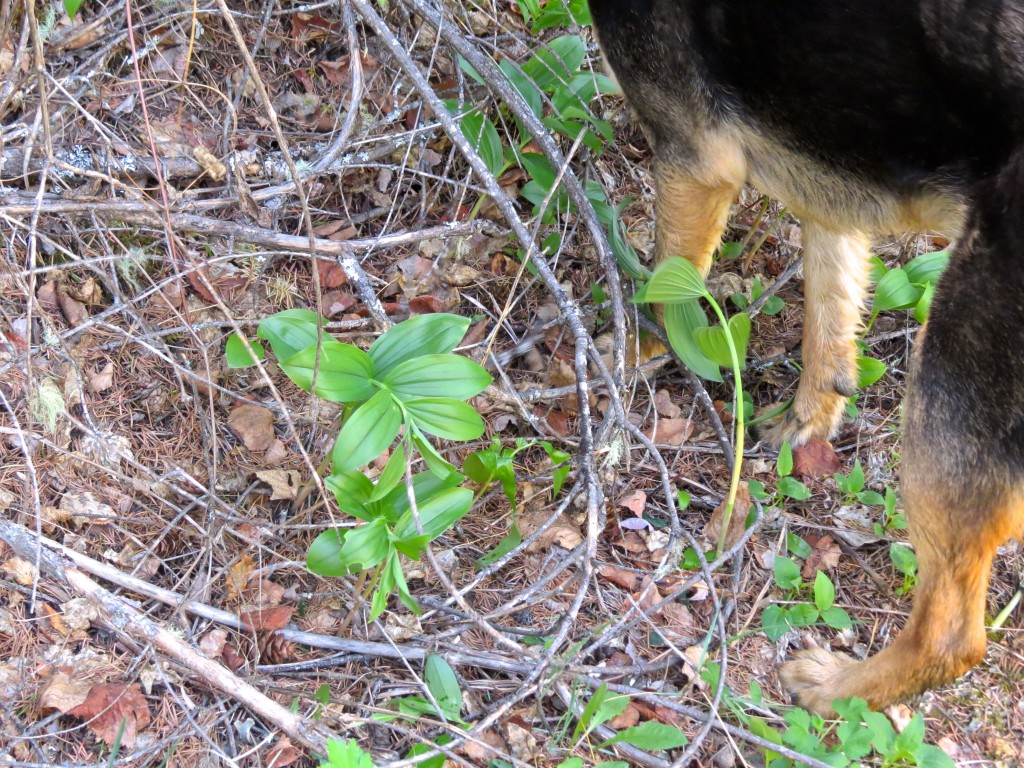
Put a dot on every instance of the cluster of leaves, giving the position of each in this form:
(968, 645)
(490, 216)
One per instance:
(776, 620)
(908, 287)
(558, 91)
(408, 386)
(903, 558)
(857, 733)
(497, 464)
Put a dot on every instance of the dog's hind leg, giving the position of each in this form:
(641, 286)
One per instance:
(945, 635)
(694, 193)
(836, 273)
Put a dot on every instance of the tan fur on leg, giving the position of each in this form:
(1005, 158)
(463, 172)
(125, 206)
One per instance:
(693, 202)
(945, 635)
(836, 271)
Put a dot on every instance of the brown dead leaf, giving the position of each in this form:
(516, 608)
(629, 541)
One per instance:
(283, 753)
(627, 718)
(73, 310)
(664, 406)
(64, 691)
(814, 460)
(254, 426)
(824, 557)
(276, 453)
(661, 714)
(101, 381)
(21, 570)
(85, 508)
(111, 704)
(562, 532)
(626, 579)
(78, 614)
(268, 619)
(331, 274)
(670, 431)
(238, 577)
(212, 643)
(738, 522)
(52, 617)
(284, 483)
(634, 501)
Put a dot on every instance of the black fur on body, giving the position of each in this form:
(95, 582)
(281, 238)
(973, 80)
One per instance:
(867, 117)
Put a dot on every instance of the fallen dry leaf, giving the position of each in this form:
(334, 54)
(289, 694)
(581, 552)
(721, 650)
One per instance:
(101, 381)
(108, 705)
(78, 614)
(281, 754)
(814, 460)
(21, 570)
(562, 532)
(64, 691)
(85, 508)
(670, 431)
(212, 643)
(824, 557)
(284, 483)
(254, 426)
(627, 718)
(634, 501)
(664, 406)
(238, 577)
(268, 619)
(738, 522)
(625, 579)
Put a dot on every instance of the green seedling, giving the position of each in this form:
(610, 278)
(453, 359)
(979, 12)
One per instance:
(776, 620)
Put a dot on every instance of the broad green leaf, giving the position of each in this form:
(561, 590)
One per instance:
(556, 62)
(437, 514)
(343, 374)
(437, 761)
(869, 370)
(392, 474)
(401, 587)
(855, 481)
(903, 559)
(713, 344)
(289, 331)
(238, 356)
(486, 466)
(787, 573)
(352, 490)
(930, 756)
(435, 462)
(760, 728)
(802, 615)
(895, 291)
(346, 754)
(773, 622)
(739, 329)
(784, 464)
(324, 555)
(675, 280)
(424, 485)
(680, 322)
(927, 268)
(512, 540)
(482, 136)
(650, 735)
(435, 334)
(72, 7)
(824, 592)
(442, 375)
(924, 304)
(367, 433)
(446, 417)
(837, 618)
(385, 586)
(443, 685)
(601, 708)
(366, 546)
(792, 488)
(525, 87)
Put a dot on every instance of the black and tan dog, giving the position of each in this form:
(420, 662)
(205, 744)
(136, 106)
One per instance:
(866, 117)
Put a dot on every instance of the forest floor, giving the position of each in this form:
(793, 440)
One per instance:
(176, 173)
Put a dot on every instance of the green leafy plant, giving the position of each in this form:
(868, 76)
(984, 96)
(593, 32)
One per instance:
(497, 464)
(445, 692)
(776, 620)
(408, 387)
(677, 283)
(909, 287)
(346, 754)
(772, 306)
(73, 7)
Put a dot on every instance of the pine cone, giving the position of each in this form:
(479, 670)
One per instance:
(274, 648)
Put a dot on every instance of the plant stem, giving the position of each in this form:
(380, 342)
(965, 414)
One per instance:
(739, 421)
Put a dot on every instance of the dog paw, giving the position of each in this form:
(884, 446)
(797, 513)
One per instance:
(812, 678)
(814, 415)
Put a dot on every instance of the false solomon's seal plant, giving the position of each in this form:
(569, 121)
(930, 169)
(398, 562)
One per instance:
(408, 387)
